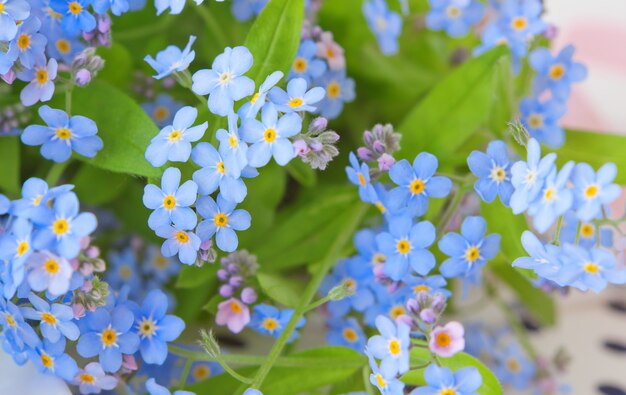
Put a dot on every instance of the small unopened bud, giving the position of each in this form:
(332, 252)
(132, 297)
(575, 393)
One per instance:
(405, 319)
(248, 295)
(301, 147)
(412, 306)
(82, 77)
(519, 132)
(439, 303)
(318, 124)
(428, 316)
(78, 310)
(235, 281)
(222, 274)
(226, 291)
(364, 154)
(341, 291)
(385, 161)
(9, 77)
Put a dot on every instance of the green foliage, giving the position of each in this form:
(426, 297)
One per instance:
(283, 290)
(120, 64)
(274, 38)
(10, 174)
(124, 127)
(96, 186)
(302, 172)
(456, 108)
(490, 386)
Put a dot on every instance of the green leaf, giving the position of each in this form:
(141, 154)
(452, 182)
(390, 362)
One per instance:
(124, 127)
(282, 290)
(96, 186)
(302, 172)
(274, 38)
(455, 108)
(504, 102)
(490, 386)
(118, 66)
(10, 174)
(539, 304)
(191, 276)
(595, 148)
(500, 219)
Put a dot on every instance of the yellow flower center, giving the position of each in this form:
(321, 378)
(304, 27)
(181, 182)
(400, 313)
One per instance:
(591, 191)
(269, 324)
(417, 186)
(160, 262)
(300, 65)
(531, 177)
(333, 90)
(396, 311)
(201, 372)
(513, 365)
(75, 8)
(109, 337)
(394, 347)
(295, 102)
(330, 53)
(557, 71)
(549, 194)
(22, 248)
(169, 202)
(63, 46)
(37, 200)
(48, 318)
(41, 76)
(498, 174)
(403, 246)
(592, 268)
(63, 133)
(225, 77)
(233, 141)
(51, 266)
(220, 167)
(421, 288)
(235, 307)
(182, 237)
(443, 339)
(350, 335)
(381, 207)
(587, 230)
(362, 181)
(453, 12)
(10, 320)
(535, 121)
(381, 381)
(447, 391)
(161, 112)
(1, 8)
(86, 378)
(519, 23)
(255, 98)
(60, 227)
(23, 41)
(125, 272)
(47, 361)
(147, 327)
(220, 220)
(472, 253)
(269, 135)
(378, 258)
(175, 135)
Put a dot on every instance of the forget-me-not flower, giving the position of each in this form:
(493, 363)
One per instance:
(171, 202)
(12, 12)
(155, 389)
(221, 220)
(55, 320)
(28, 45)
(386, 24)
(556, 73)
(217, 172)
(75, 14)
(493, 171)
(593, 190)
(306, 65)
(49, 273)
(554, 200)
(541, 119)
(456, 17)
(528, 177)
(339, 89)
(40, 82)
(297, 97)
(441, 380)
(92, 379)
(50, 357)
(172, 59)
(179, 241)
(392, 345)
(251, 108)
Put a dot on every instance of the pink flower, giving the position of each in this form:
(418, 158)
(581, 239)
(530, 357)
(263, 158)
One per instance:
(328, 49)
(234, 314)
(447, 340)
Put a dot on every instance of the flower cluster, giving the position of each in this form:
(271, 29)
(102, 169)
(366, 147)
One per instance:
(53, 306)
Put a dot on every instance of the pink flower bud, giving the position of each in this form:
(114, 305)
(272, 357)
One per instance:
(248, 295)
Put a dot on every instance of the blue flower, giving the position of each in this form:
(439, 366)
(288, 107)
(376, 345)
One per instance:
(470, 250)
(589, 269)
(296, 98)
(5, 204)
(357, 275)
(406, 245)
(347, 333)
(521, 19)
(252, 391)
(108, 335)
(63, 135)
(49, 273)
(162, 109)
(556, 73)
(587, 232)
(157, 266)
(541, 119)
(225, 82)
(51, 358)
(365, 244)
(392, 345)
(384, 23)
(432, 285)
(593, 190)
(359, 175)
(92, 379)
(12, 12)
(306, 65)
(493, 172)
(216, 172)
(154, 389)
(528, 177)
(40, 86)
(62, 47)
(28, 45)
(123, 270)
(118, 7)
(231, 148)
(17, 331)
(179, 242)
(251, 108)
(171, 202)
(269, 320)
(456, 17)
(384, 378)
(76, 18)
(173, 142)
(339, 90)
(543, 259)
(514, 368)
(387, 304)
(55, 320)
(494, 35)
(417, 184)
(63, 227)
(172, 59)
(555, 199)
(221, 220)
(441, 380)
(155, 328)
(270, 136)
(16, 244)
(244, 10)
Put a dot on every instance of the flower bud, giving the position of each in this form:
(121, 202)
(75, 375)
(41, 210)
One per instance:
(301, 147)
(226, 291)
(364, 154)
(248, 295)
(428, 316)
(82, 77)
(385, 161)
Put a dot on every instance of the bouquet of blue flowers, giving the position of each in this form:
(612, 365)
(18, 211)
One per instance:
(176, 177)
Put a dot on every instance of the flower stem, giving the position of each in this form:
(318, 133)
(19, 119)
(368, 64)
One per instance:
(449, 211)
(186, 369)
(56, 171)
(557, 235)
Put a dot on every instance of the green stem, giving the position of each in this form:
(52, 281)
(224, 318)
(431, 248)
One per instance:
(68, 99)
(578, 232)
(325, 265)
(366, 381)
(557, 235)
(183, 377)
(55, 172)
(317, 303)
(212, 24)
(449, 211)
